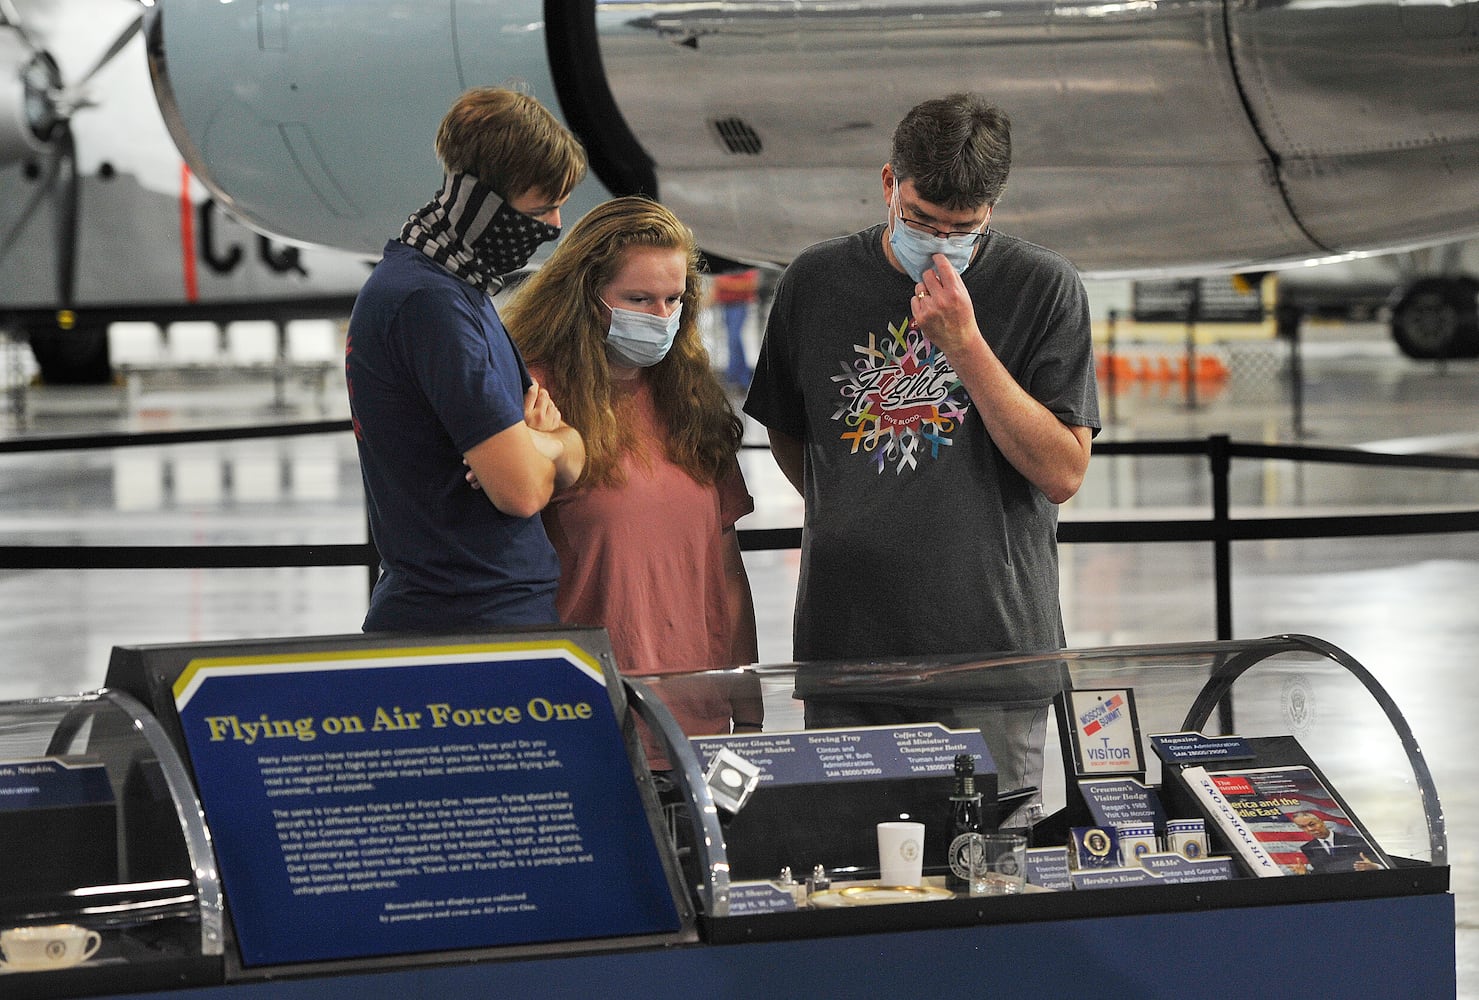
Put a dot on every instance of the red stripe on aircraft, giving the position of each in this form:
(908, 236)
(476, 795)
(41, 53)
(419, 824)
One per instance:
(187, 237)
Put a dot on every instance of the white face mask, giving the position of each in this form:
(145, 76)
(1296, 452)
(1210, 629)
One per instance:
(915, 251)
(641, 339)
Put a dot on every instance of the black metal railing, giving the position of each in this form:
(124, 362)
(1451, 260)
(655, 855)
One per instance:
(1219, 528)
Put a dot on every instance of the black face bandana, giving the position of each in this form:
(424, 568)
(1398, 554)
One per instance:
(473, 233)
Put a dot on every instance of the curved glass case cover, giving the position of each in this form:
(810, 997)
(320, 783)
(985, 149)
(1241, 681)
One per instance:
(1282, 686)
(110, 881)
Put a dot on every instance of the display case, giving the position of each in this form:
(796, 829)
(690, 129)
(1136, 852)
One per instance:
(110, 883)
(1289, 701)
(500, 814)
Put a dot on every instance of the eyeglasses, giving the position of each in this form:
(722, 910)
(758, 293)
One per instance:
(955, 237)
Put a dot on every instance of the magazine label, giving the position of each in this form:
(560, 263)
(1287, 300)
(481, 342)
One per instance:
(1195, 748)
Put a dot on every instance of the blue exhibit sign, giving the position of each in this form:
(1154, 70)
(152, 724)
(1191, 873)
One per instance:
(378, 801)
(53, 783)
(1121, 801)
(1198, 748)
(861, 753)
(1156, 869)
(1047, 867)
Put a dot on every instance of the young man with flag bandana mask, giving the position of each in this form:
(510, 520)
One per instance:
(436, 385)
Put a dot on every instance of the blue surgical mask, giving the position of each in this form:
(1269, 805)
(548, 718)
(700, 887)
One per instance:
(916, 250)
(641, 339)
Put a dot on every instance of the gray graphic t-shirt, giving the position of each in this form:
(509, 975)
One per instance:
(920, 538)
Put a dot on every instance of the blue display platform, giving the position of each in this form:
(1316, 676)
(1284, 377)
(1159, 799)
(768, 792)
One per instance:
(1401, 947)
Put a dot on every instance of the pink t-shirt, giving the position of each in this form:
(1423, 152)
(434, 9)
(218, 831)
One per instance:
(646, 559)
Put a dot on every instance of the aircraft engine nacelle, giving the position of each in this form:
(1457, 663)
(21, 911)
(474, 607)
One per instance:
(1148, 137)
(22, 109)
(314, 121)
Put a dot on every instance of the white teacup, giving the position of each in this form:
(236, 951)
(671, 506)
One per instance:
(54, 946)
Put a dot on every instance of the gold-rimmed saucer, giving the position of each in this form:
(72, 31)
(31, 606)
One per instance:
(877, 895)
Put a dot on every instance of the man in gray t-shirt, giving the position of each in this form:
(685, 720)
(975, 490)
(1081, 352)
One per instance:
(932, 411)
(928, 386)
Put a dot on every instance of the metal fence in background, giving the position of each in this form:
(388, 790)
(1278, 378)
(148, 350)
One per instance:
(1219, 529)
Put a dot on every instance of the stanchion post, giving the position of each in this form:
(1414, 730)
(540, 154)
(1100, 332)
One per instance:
(15, 376)
(1219, 454)
(1287, 320)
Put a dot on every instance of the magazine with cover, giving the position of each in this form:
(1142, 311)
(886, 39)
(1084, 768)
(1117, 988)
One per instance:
(1284, 820)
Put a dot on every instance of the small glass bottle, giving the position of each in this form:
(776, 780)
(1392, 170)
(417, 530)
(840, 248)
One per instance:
(965, 827)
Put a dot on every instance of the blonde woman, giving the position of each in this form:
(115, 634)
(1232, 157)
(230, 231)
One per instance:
(645, 537)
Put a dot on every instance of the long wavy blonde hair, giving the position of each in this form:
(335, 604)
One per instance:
(557, 319)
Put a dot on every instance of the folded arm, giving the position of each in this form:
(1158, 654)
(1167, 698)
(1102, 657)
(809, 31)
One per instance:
(521, 466)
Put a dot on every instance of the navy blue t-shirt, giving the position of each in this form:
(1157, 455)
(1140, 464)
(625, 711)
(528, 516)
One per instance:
(432, 373)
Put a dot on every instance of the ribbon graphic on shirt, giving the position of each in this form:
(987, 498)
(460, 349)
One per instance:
(901, 399)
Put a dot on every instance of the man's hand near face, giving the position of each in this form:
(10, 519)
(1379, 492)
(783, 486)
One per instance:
(943, 312)
(1051, 454)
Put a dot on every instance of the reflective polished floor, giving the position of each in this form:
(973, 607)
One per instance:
(1404, 607)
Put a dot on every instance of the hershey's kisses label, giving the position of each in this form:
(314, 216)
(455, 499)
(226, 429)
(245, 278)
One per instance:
(1156, 869)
